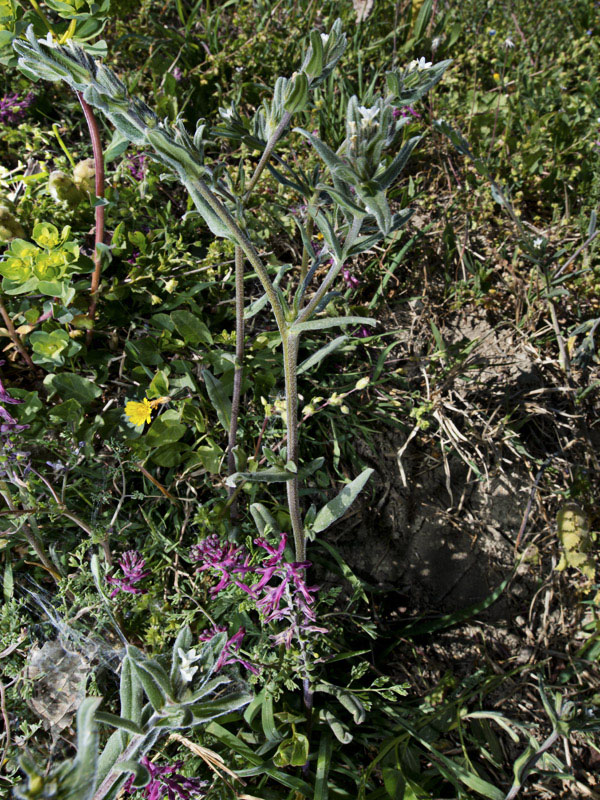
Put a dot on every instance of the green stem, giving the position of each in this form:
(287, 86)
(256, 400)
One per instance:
(239, 367)
(290, 363)
(267, 153)
(30, 537)
(332, 274)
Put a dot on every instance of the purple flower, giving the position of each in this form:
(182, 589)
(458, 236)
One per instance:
(132, 566)
(405, 111)
(177, 73)
(350, 280)
(224, 557)
(167, 781)
(13, 107)
(8, 424)
(229, 653)
(133, 257)
(137, 166)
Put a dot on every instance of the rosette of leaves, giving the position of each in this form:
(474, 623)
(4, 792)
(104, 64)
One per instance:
(43, 266)
(155, 698)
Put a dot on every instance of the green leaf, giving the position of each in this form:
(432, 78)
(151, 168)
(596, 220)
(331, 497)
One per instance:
(329, 322)
(274, 475)
(70, 385)
(69, 412)
(323, 766)
(164, 431)
(262, 518)
(142, 774)
(205, 712)
(337, 507)
(118, 722)
(219, 398)
(159, 386)
(395, 168)
(322, 353)
(191, 328)
(292, 752)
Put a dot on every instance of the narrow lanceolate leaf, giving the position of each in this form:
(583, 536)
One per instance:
(262, 518)
(329, 322)
(205, 712)
(86, 764)
(395, 168)
(322, 353)
(333, 162)
(337, 507)
(141, 774)
(218, 397)
(118, 722)
(260, 476)
(323, 765)
(130, 692)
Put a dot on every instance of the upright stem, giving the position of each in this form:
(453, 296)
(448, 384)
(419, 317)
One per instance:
(29, 535)
(239, 315)
(239, 366)
(15, 338)
(331, 275)
(290, 362)
(99, 210)
(285, 120)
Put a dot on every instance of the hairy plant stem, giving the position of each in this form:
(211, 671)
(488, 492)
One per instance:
(289, 344)
(130, 752)
(239, 317)
(332, 273)
(99, 210)
(14, 336)
(239, 369)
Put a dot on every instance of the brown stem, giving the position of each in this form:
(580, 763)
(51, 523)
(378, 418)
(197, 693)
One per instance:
(16, 339)
(99, 210)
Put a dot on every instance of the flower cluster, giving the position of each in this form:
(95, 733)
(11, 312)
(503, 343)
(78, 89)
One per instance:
(225, 557)
(351, 281)
(8, 424)
(167, 782)
(13, 107)
(230, 652)
(132, 566)
(280, 593)
(137, 166)
(405, 111)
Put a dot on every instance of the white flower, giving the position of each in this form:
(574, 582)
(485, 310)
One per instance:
(537, 243)
(419, 64)
(187, 659)
(325, 39)
(508, 43)
(368, 114)
(435, 42)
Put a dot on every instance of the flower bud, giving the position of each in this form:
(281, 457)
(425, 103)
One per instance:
(10, 227)
(64, 189)
(363, 383)
(84, 175)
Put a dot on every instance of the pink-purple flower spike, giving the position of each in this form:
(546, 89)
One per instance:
(132, 566)
(167, 782)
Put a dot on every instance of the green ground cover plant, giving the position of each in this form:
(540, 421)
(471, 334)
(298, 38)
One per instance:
(298, 399)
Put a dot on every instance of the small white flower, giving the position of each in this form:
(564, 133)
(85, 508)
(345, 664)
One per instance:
(325, 39)
(537, 243)
(187, 659)
(368, 114)
(435, 42)
(508, 43)
(419, 64)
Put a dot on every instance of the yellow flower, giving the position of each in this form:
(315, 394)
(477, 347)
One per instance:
(139, 413)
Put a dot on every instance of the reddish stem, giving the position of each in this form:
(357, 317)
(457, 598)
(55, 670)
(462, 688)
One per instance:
(99, 211)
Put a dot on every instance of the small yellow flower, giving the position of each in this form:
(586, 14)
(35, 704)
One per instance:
(496, 76)
(139, 413)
